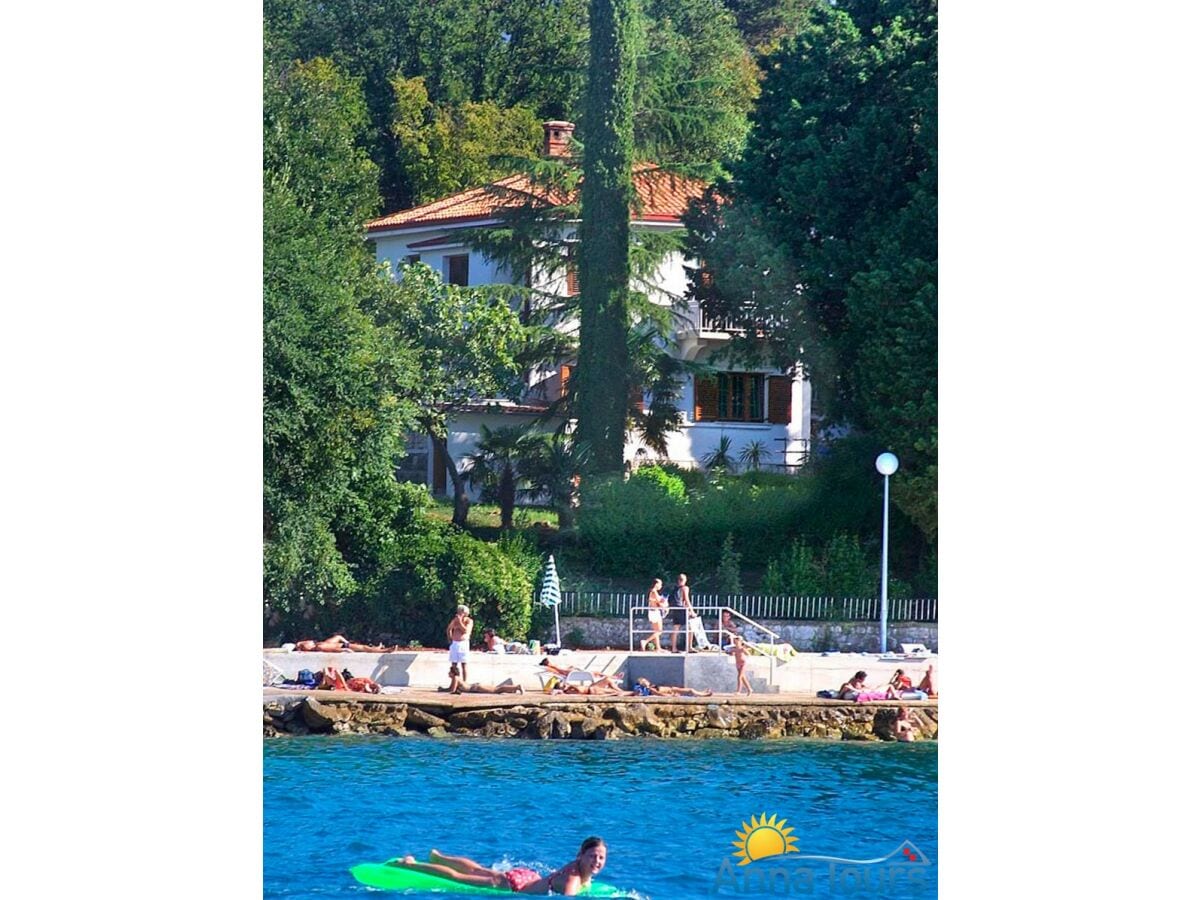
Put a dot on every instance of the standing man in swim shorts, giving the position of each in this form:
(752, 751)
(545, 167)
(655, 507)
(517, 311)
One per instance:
(458, 633)
(680, 599)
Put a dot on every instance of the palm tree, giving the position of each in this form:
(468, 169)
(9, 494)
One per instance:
(553, 471)
(497, 464)
(722, 457)
(753, 454)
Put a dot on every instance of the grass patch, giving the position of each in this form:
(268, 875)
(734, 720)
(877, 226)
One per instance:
(487, 515)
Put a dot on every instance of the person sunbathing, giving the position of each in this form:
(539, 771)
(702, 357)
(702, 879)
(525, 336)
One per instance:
(852, 688)
(903, 726)
(333, 680)
(339, 644)
(926, 684)
(458, 686)
(644, 688)
(598, 678)
(573, 878)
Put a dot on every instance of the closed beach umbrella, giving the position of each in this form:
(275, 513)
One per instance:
(550, 594)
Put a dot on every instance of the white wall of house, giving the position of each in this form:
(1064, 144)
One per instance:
(462, 438)
(686, 447)
(393, 248)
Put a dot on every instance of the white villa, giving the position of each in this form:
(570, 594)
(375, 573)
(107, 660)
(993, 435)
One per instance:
(746, 405)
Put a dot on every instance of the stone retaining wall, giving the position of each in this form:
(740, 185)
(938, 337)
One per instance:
(816, 637)
(593, 720)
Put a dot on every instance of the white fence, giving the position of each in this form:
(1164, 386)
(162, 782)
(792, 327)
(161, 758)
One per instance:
(761, 606)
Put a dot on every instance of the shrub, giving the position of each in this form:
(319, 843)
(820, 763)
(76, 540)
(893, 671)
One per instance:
(435, 568)
(847, 571)
(729, 572)
(693, 479)
(772, 580)
(800, 572)
(670, 484)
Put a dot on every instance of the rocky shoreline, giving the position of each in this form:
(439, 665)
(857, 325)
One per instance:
(541, 718)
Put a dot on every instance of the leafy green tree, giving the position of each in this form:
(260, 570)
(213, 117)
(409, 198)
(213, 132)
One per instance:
(445, 149)
(602, 381)
(467, 344)
(695, 87)
(766, 24)
(838, 190)
(332, 382)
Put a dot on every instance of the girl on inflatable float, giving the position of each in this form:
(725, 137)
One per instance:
(572, 878)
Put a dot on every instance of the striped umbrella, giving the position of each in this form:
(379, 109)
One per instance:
(550, 594)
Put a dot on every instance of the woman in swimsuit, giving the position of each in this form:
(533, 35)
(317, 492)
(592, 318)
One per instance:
(657, 603)
(572, 878)
(926, 684)
(903, 726)
(852, 688)
(644, 688)
(337, 644)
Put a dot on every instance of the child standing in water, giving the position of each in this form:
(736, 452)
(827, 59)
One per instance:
(570, 879)
(739, 658)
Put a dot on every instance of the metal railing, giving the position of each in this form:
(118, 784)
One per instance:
(638, 613)
(618, 604)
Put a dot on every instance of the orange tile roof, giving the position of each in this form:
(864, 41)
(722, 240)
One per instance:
(663, 196)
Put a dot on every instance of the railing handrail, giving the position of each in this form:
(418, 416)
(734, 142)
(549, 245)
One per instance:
(788, 607)
(719, 630)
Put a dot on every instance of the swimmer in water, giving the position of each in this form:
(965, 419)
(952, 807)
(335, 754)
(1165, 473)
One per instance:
(570, 879)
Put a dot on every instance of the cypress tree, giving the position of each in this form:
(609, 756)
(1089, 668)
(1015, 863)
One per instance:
(607, 194)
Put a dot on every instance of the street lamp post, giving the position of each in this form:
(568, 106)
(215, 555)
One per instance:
(886, 464)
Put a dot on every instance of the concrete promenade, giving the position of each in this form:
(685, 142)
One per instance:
(425, 670)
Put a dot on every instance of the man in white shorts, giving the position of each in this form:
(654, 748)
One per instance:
(458, 632)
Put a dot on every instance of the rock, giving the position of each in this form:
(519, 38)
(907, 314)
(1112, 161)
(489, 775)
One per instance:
(472, 718)
(716, 717)
(320, 716)
(710, 733)
(550, 724)
(422, 721)
(634, 718)
(752, 730)
(437, 731)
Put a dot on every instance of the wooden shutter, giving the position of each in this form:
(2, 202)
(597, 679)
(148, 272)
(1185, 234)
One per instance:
(706, 399)
(779, 399)
(572, 280)
(564, 380)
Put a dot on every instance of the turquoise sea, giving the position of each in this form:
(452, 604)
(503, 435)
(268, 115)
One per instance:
(669, 811)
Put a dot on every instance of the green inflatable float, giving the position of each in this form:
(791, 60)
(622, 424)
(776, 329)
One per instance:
(396, 878)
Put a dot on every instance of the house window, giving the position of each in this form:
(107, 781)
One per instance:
(732, 397)
(458, 269)
(412, 259)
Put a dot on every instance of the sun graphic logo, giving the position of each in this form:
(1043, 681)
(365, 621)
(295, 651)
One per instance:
(764, 837)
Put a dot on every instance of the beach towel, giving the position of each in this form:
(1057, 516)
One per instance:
(699, 638)
(864, 696)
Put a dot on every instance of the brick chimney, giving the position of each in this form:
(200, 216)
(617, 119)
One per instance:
(558, 138)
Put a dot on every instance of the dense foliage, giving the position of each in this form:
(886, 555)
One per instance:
(332, 382)
(351, 361)
(602, 380)
(695, 85)
(828, 243)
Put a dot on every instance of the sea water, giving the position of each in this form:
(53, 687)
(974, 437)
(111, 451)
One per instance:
(674, 814)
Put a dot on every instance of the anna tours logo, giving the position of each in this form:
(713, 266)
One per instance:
(769, 838)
